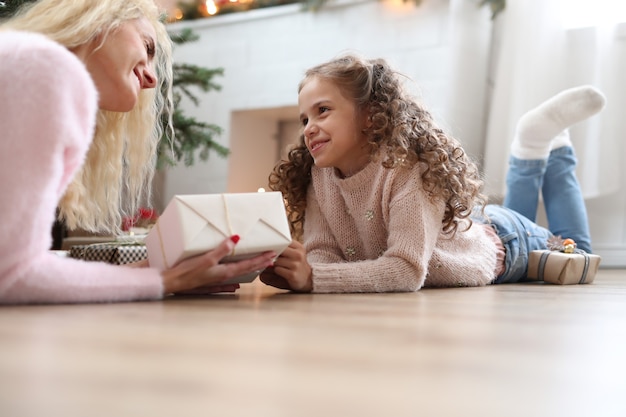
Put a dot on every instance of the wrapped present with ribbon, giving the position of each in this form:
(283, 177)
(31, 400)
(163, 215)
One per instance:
(562, 263)
(194, 224)
(118, 253)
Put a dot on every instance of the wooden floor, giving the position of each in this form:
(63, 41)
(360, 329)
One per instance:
(510, 350)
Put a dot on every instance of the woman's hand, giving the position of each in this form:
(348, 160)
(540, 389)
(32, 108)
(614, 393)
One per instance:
(204, 273)
(291, 271)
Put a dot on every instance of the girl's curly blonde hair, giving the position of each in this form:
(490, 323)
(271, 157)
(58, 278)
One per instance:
(402, 133)
(116, 177)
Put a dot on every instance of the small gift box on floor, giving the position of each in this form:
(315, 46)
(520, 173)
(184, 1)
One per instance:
(557, 267)
(114, 252)
(194, 224)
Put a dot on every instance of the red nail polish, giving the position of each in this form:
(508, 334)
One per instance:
(235, 238)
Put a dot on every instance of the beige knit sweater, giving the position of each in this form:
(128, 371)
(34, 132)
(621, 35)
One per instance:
(378, 231)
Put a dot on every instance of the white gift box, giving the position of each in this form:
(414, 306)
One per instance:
(194, 224)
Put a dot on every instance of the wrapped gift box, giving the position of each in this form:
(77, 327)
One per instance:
(561, 268)
(113, 253)
(193, 224)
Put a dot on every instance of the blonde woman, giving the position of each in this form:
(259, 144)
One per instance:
(128, 124)
(73, 71)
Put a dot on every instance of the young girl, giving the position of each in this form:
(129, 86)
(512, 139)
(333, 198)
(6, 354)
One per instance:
(383, 200)
(71, 68)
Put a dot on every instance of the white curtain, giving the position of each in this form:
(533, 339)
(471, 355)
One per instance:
(537, 53)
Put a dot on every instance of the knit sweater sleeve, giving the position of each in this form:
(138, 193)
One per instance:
(48, 104)
(380, 232)
(361, 233)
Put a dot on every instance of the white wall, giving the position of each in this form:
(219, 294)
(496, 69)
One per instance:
(265, 52)
(443, 45)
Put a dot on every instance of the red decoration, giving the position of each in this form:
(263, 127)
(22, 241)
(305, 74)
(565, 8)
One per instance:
(145, 217)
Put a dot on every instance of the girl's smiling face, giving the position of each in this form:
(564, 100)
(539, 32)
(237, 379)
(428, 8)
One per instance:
(122, 66)
(333, 127)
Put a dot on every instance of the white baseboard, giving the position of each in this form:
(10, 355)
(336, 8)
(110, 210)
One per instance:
(613, 256)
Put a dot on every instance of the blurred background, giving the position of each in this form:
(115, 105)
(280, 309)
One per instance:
(477, 65)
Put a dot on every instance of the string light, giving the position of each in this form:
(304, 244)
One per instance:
(193, 9)
(208, 8)
(211, 7)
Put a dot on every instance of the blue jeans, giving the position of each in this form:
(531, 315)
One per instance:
(514, 222)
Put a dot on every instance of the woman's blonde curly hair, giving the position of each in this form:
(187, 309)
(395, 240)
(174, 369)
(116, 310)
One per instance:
(116, 177)
(402, 133)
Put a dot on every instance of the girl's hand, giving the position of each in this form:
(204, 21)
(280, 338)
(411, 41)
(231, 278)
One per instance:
(204, 273)
(291, 271)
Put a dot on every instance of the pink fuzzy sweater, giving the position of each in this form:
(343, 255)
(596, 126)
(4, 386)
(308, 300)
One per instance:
(378, 231)
(48, 104)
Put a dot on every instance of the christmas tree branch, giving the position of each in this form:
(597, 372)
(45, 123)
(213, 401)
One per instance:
(190, 135)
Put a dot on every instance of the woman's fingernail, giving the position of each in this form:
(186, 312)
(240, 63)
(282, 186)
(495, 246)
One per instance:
(235, 238)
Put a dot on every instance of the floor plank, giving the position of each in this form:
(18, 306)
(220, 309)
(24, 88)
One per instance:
(507, 350)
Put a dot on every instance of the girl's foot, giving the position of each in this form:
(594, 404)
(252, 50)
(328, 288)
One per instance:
(537, 128)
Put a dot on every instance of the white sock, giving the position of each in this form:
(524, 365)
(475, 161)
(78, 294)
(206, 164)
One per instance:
(536, 129)
(560, 140)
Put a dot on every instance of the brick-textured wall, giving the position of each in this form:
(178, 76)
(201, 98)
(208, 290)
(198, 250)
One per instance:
(442, 46)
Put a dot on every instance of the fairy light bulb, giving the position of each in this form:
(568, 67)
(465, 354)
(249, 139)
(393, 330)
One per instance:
(211, 7)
